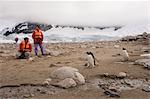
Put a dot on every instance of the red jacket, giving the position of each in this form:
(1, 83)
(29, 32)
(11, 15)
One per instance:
(25, 46)
(37, 36)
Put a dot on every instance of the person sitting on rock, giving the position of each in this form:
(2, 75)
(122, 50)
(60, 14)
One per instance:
(24, 49)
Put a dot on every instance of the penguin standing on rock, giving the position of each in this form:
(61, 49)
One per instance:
(91, 59)
(125, 54)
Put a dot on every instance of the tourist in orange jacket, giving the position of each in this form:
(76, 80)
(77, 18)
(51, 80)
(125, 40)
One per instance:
(37, 36)
(24, 49)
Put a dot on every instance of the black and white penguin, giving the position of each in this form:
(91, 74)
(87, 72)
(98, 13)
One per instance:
(91, 59)
(125, 54)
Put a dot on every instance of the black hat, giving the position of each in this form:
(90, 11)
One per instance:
(26, 38)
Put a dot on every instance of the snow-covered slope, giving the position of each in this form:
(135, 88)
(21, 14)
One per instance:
(71, 34)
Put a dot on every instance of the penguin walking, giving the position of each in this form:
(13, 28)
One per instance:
(91, 59)
(125, 54)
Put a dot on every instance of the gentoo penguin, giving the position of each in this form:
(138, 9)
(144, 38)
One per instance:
(91, 59)
(125, 54)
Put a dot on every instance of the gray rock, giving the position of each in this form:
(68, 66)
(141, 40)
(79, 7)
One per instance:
(27, 96)
(116, 46)
(141, 61)
(50, 93)
(47, 81)
(68, 72)
(147, 65)
(79, 78)
(122, 75)
(106, 74)
(111, 93)
(129, 38)
(144, 38)
(67, 83)
(64, 72)
(146, 88)
(52, 65)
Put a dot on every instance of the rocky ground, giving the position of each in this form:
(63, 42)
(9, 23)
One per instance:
(21, 79)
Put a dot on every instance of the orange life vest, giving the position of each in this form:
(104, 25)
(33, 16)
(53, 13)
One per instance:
(24, 45)
(38, 34)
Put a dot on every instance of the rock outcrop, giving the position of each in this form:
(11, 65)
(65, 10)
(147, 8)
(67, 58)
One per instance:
(25, 27)
(144, 38)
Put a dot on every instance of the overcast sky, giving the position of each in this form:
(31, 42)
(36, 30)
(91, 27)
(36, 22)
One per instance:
(90, 13)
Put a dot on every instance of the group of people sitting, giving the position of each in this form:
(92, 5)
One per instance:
(25, 47)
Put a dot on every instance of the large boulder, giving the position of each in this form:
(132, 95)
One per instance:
(68, 72)
(64, 72)
(67, 83)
